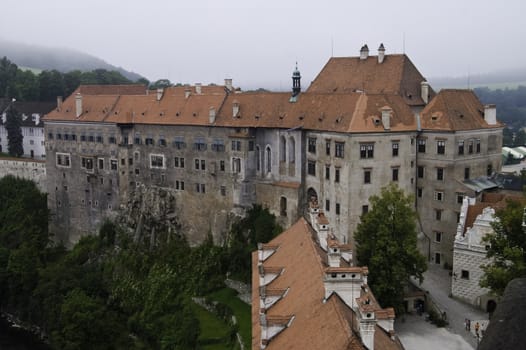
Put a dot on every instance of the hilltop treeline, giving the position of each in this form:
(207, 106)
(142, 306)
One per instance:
(109, 292)
(24, 85)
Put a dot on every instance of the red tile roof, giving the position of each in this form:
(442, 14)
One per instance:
(396, 75)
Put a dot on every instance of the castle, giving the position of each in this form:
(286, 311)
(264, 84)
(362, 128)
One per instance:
(194, 157)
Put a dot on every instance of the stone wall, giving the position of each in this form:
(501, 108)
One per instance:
(26, 169)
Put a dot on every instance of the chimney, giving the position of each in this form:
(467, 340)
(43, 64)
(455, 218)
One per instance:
(212, 115)
(490, 114)
(187, 92)
(381, 53)
(334, 255)
(235, 109)
(78, 104)
(364, 52)
(159, 94)
(425, 91)
(228, 84)
(367, 322)
(59, 102)
(347, 282)
(386, 117)
(198, 88)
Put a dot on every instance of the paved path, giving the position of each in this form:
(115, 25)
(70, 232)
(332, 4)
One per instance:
(438, 283)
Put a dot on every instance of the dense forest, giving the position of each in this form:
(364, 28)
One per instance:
(511, 110)
(24, 85)
(109, 292)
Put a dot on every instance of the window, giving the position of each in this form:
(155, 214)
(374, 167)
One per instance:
(477, 145)
(86, 163)
(222, 165)
(250, 146)
(137, 139)
(236, 145)
(112, 139)
(441, 147)
(337, 175)
(73, 137)
(50, 135)
(123, 161)
(438, 196)
(337, 209)
(179, 142)
(59, 136)
(328, 147)
(327, 172)
(440, 174)
(419, 192)
(236, 165)
(367, 176)
(438, 237)
(156, 161)
(470, 146)
(421, 172)
(464, 274)
(311, 167)
(258, 159)
(460, 197)
(365, 209)
(461, 147)
(200, 144)
(339, 148)
(91, 138)
(148, 141)
(394, 172)
(179, 185)
(438, 258)
(196, 161)
(422, 145)
(438, 214)
(489, 170)
(327, 205)
(366, 150)
(218, 146)
(222, 190)
(99, 138)
(283, 206)
(63, 160)
(113, 164)
(394, 148)
(203, 164)
(178, 162)
(312, 145)
(162, 142)
(101, 163)
(466, 173)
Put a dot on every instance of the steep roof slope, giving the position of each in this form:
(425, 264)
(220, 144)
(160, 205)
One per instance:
(455, 109)
(396, 75)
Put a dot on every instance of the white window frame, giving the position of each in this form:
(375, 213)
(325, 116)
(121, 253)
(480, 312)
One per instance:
(163, 166)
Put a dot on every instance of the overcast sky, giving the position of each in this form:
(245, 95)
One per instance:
(257, 42)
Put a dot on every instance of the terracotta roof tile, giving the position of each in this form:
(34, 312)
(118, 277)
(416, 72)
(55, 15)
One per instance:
(396, 75)
(455, 109)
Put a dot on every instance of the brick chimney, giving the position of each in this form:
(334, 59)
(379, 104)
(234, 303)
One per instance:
(490, 114)
(160, 92)
(386, 117)
(364, 52)
(212, 115)
(381, 53)
(78, 104)
(228, 84)
(424, 90)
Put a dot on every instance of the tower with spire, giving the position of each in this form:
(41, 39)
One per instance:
(296, 84)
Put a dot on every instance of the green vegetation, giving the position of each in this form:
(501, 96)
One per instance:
(25, 85)
(386, 243)
(111, 293)
(13, 127)
(507, 248)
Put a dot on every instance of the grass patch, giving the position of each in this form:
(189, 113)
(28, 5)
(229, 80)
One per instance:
(214, 332)
(241, 310)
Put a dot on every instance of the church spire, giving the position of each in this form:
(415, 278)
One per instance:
(296, 84)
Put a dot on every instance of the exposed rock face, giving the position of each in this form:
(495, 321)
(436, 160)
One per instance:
(150, 215)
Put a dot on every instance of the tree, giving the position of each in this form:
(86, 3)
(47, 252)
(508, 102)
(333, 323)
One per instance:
(161, 84)
(507, 248)
(386, 243)
(15, 139)
(8, 71)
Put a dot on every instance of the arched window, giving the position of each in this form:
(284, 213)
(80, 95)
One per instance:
(282, 149)
(268, 159)
(258, 159)
(292, 150)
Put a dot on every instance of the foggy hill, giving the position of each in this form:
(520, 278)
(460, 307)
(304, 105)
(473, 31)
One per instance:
(498, 79)
(63, 60)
